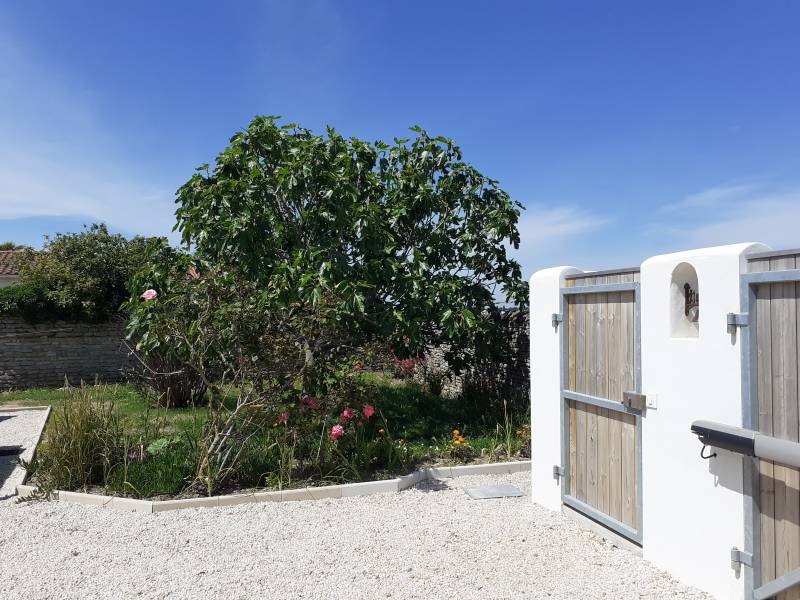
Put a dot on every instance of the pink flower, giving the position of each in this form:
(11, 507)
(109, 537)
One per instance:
(283, 417)
(149, 295)
(337, 431)
(347, 414)
(358, 366)
(368, 410)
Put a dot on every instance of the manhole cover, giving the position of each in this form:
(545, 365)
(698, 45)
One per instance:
(493, 491)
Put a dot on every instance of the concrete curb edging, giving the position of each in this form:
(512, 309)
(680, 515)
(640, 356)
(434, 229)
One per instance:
(366, 488)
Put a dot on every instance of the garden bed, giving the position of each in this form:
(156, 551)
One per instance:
(409, 430)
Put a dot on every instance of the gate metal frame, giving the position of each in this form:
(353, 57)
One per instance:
(755, 589)
(635, 535)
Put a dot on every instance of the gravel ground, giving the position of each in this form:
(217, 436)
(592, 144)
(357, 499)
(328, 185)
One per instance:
(429, 542)
(17, 428)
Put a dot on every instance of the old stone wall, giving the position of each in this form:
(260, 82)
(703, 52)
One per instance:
(44, 354)
(504, 375)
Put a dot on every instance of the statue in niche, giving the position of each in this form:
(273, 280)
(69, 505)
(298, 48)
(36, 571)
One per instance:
(692, 303)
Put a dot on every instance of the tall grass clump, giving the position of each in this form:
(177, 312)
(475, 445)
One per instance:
(83, 443)
(90, 444)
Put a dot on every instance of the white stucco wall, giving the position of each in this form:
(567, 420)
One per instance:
(545, 363)
(692, 508)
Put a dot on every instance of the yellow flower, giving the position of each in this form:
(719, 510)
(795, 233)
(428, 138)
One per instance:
(456, 433)
(457, 442)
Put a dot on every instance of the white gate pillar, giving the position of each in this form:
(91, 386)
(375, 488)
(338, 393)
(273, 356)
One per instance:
(693, 508)
(545, 299)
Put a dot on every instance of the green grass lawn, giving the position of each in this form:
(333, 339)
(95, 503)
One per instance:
(411, 412)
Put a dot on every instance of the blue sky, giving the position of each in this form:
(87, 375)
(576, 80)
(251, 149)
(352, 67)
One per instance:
(627, 129)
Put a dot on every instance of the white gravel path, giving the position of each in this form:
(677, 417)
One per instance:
(421, 543)
(17, 428)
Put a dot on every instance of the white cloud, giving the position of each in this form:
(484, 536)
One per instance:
(774, 220)
(712, 197)
(57, 159)
(540, 225)
(733, 214)
(546, 232)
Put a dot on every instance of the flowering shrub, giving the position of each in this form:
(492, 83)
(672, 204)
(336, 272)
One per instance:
(457, 448)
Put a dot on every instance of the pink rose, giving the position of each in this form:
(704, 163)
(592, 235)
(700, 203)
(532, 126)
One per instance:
(337, 431)
(347, 414)
(149, 295)
(368, 410)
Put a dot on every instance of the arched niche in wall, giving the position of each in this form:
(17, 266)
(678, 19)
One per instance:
(684, 302)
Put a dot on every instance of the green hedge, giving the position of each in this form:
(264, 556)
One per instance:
(30, 301)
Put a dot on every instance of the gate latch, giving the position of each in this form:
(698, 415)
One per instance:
(737, 320)
(556, 319)
(558, 472)
(739, 558)
(634, 400)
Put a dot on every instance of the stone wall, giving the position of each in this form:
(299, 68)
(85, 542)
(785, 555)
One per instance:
(505, 375)
(44, 354)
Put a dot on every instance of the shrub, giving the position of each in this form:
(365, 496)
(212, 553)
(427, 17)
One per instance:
(168, 382)
(29, 300)
(83, 275)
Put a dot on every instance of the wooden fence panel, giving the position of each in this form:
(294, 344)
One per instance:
(602, 363)
(777, 313)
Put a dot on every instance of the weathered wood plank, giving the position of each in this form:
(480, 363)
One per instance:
(592, 320)
(581, 367)
(580, 451)
(615, 350)
(629, 470)
(764, 378)
(783, 316)
(573, 425)
(591, 455)
(765, 417)
(603, 459)
(571, 341)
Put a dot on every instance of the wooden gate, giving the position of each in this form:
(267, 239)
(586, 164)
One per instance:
(771, 299)
(601, 437)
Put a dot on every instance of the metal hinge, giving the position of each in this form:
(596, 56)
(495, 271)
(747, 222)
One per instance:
(739, 558)
(558, 472)
(557, 318)
(737, 320)
(634, 400)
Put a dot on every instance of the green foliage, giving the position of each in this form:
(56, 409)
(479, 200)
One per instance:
(29, 300)
(9, 245)
(308, 251)
(407, 238)
(84, 441)
(92, 443)
(82, 275)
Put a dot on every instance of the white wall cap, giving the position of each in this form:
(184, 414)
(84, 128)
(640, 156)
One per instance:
(729, 250)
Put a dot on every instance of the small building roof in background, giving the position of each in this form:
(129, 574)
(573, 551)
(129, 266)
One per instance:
(8, 262)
